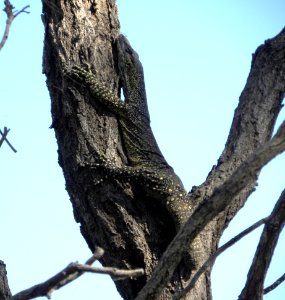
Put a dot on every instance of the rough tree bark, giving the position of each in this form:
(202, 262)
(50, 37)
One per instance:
(4, 287)
(117, 216)
(127, 227)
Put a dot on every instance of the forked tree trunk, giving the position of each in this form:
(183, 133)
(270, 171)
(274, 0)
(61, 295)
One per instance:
(133, 229)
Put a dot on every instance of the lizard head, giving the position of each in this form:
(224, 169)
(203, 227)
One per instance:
(127, 56)
(130, 72)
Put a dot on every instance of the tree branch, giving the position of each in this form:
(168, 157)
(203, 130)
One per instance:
(210, 261)
(221, 198)
(219, 251)
(4, 135)
(4, 138)
(72, 272)
(259, 106)
(255, 279)
(10, 18)
(274, 285)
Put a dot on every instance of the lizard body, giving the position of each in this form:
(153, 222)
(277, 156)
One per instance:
(147, 166)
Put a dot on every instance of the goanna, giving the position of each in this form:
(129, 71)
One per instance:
(147, 166)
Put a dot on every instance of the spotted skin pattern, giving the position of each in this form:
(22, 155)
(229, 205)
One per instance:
(147, 166)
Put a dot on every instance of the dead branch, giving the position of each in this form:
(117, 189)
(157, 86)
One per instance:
(11, 15)
(4, 138)
(97, 254)
(210, 261)
(206, 212)
(4, 135)
(255, 278)
(72, 272)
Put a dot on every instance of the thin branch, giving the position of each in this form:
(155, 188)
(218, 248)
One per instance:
(10, 18)
(221, 198)
(274, 285)
(72, 272)
(4, 138)
(114, 272)
(255, 278)
(4, 135)
(97, 254)
(210, 261)
(23, 10)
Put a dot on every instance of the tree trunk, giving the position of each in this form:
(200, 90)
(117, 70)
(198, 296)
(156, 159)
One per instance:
(5, 293)
(132, 228)
(125, 226)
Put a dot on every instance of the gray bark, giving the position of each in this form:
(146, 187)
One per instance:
(264, 252)
(112, 215)
(5, 293)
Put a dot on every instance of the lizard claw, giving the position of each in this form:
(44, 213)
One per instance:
(76, 72)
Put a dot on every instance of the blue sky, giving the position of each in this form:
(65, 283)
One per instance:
(196, 58)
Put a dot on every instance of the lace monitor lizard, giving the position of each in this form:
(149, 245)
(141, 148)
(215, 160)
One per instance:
(147, 166)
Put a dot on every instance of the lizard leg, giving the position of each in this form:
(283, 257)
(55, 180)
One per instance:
(97, 89)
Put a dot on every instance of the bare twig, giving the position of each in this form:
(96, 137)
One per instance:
(10, 18)
(208, 210)
(4, 138)
(210, 261)
(97, 254)
(72, 272)
(4, 135)
(274, 285)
